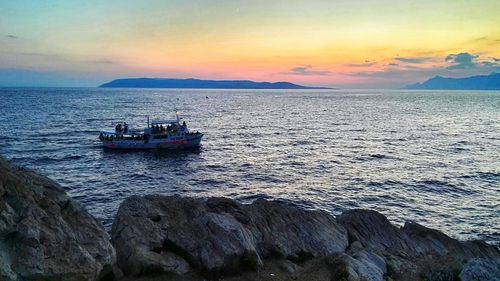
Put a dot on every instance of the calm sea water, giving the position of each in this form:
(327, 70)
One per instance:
(432, 157)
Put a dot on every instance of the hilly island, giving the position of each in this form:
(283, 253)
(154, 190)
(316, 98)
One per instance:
(478, 82)
(192, 83)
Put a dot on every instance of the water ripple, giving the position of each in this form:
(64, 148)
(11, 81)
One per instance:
(429, 157)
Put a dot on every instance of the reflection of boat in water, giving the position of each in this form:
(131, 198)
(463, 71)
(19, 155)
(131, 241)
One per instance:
(162, 134)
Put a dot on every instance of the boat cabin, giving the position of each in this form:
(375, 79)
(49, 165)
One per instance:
(167, 127)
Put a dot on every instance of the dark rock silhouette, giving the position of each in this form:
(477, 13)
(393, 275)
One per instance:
(219, 237)
(44, 234)
(200, 84)
(480, 82)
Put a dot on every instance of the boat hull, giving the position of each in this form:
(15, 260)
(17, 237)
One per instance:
(185, 143)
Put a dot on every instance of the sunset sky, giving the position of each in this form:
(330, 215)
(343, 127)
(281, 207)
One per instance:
(348, 44)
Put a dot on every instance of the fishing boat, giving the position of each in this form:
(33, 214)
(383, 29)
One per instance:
(159, 134)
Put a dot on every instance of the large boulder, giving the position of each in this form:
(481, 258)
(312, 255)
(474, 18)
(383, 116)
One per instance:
(481, 270)
(430, 241)
(374, 231)
(218, 235)
(412, 252)
(45, 235)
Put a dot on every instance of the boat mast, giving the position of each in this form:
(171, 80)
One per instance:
(147, 116)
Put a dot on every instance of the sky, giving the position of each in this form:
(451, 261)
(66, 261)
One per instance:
(333, 43)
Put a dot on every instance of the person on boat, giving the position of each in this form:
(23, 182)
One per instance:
(184, 127)
(125, 127)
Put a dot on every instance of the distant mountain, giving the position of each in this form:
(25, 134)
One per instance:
(200, 84)
(480, 82)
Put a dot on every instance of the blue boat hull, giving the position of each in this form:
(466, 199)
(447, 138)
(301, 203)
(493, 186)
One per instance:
(191, 141)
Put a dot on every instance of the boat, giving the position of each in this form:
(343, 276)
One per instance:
(159, 134)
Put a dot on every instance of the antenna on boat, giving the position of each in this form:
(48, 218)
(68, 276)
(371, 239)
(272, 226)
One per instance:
(147, 116)
(177, 116)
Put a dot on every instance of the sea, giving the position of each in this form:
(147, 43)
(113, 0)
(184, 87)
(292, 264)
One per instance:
(432, 157)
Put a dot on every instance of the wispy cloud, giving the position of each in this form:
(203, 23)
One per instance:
(415, 60)
(10, 36)
(32, 54)
(365, 64)
(452, 65)
(102, 61)
(493, 63)
(306, 70)
(55, 58)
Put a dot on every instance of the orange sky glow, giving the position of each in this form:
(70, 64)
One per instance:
(351, 44)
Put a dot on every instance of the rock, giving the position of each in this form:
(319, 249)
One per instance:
(365, 266)
(481, 270)
(406, 253)
(288, 266)
(374, 231)
(46, 235)
(295, 233)
(218, 235)
(431, 241)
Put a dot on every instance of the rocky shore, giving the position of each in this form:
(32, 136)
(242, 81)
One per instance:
(45, 235)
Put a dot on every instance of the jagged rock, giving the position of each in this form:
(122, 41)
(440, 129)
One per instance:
(219, 235)
(374, 231)
(45, 235)
(407, 253)
(365, 266)
(481, 270)
(431, 241)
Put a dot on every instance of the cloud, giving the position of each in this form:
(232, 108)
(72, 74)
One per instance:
(412, 60)
(15, 77)
(31, 54)
(461, 61)
(452, 65)
(10, 36)
(102, 61)
(489, 64)
(365, 64)
(492, 63)
(306, 70)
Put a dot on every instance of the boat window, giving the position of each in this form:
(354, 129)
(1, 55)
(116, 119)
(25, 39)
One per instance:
(160, 137)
